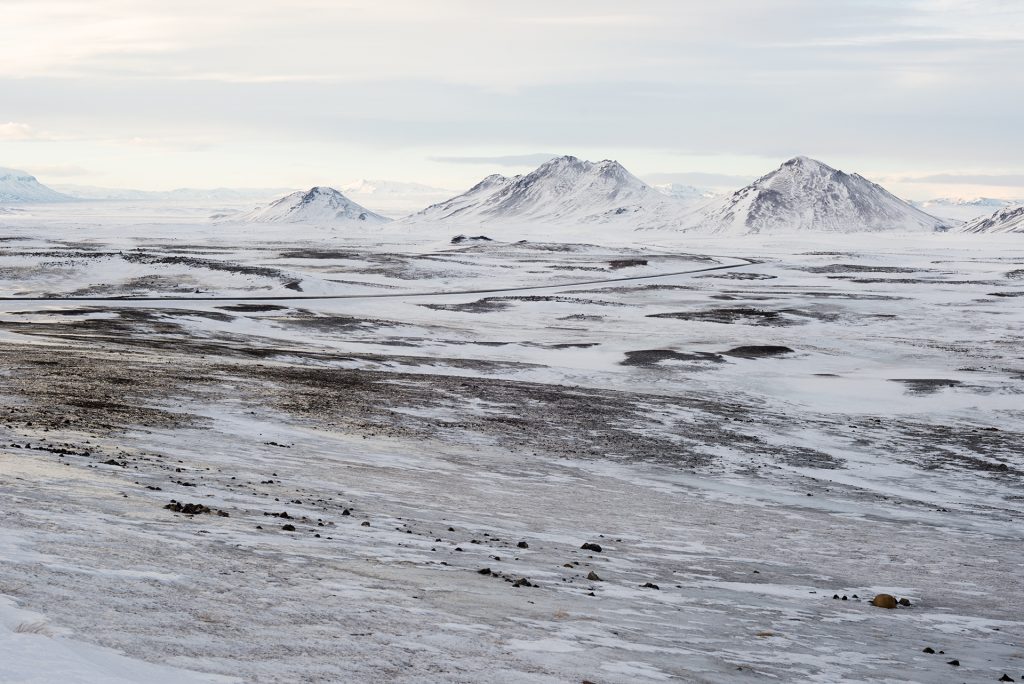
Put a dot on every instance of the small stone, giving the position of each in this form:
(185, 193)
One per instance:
(1006, 678)
(484, 571)
(928, 649)
(592, 576)
(346, 512)
(954, 662)
(844, 598)
(835, 596)
(288, 528)
(596, 548)
(904, 602)
(365, 523)
(523, 545)
(884, 601)
(649, 585)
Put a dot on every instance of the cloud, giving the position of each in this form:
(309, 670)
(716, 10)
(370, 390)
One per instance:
(504, 160)
(59, 171)
(1008, 179)
(13, 131)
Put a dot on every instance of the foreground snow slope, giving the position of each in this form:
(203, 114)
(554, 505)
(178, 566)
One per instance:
(752, 440)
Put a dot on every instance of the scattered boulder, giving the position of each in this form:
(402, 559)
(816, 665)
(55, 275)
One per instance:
(523, 545)
(592, 576)
(884, 601)
(190, 508)
(1006, 678)
(905, 602)
(484, 571)
(650, 585)
(288, 527)
(954, 662)
(596, 548)
(928, 649)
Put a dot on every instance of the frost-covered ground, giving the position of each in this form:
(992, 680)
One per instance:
(823, 417)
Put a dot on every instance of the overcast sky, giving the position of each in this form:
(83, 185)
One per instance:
(925, 96)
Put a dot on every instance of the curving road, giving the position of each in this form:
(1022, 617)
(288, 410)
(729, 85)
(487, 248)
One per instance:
(739, 262)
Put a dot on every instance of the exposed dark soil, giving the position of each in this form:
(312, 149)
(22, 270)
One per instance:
(858, 268)
(653, 357)
(926, 385)
(740, 315)
(758, 351)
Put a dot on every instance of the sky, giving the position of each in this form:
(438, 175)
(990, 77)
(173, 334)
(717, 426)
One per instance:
(925, 97)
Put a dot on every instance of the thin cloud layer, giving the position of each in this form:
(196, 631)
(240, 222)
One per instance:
(429, 91)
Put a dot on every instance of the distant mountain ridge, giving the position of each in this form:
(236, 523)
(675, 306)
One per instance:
(1005, 220)
(963, 209)
(21, 187)
(91, 192)
(806, 195)
(318, 205)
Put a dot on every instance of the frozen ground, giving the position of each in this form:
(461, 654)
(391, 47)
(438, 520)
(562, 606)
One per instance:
(817, 417)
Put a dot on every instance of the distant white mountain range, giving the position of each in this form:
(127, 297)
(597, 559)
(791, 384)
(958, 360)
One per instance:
(801, 195)
(200, 195)
(964, 209)
(19, 187)
(394, 198)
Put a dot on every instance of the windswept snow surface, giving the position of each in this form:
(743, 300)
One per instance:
(318, 205)
(805, 195)
(1008, 220)
(21, 187)
(826, 415)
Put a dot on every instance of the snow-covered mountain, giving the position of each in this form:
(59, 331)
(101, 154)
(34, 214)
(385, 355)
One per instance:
(962, 209)
(394, 198)
(21, 187)
(319, 205)
(563, 191)
(806, 195)
(1006, 220)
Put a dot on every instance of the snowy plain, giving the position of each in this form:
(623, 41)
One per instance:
(819, 416)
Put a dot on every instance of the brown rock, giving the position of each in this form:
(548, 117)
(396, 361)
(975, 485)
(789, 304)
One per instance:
(884, 601)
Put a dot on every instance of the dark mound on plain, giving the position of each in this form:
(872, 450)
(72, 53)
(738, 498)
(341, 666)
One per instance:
(758, 351)
(652, 357)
